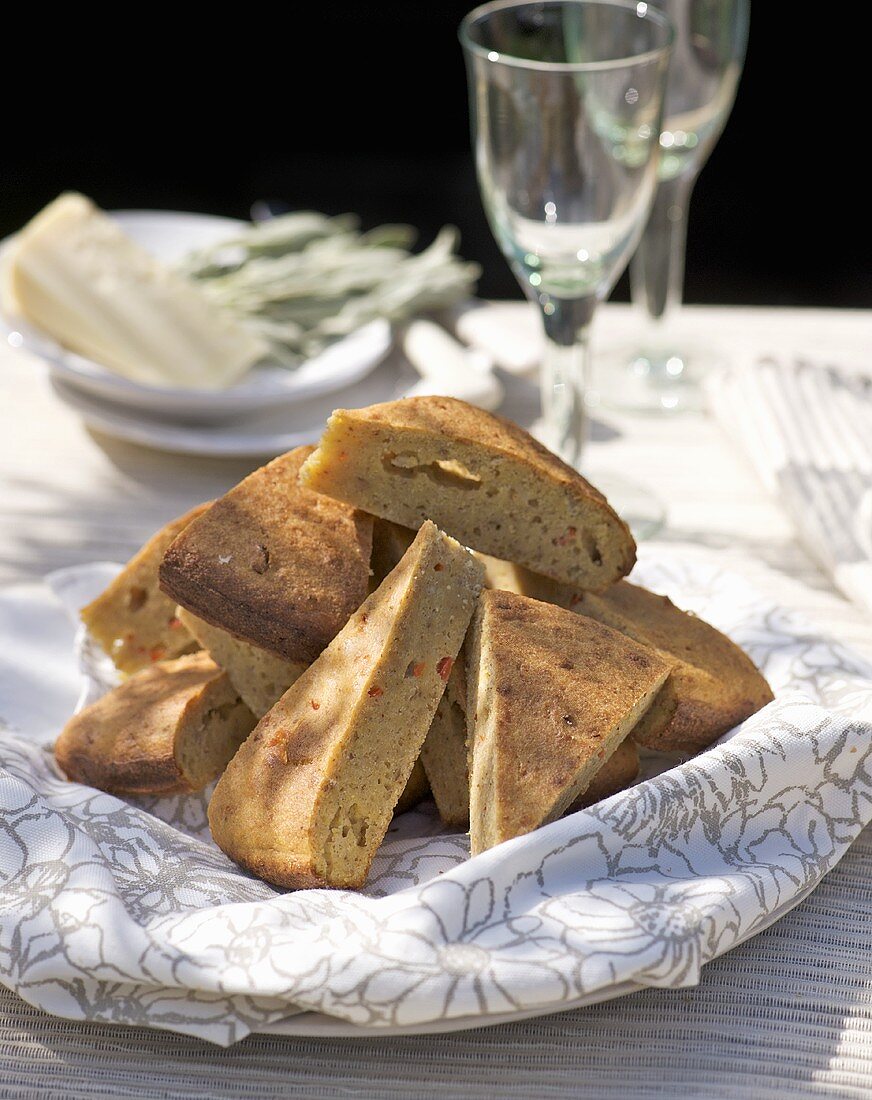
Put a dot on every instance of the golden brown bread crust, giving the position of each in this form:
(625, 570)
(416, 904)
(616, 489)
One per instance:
(131, 741)
(714, 684)
(272, 563)
(307, 799)
(481, 478)
(457, 420)
(550, 697)
(132, 620)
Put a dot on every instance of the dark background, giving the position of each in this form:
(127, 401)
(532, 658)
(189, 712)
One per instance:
(347, 108)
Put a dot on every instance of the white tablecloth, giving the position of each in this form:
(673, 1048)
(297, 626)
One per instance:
(788, 1014)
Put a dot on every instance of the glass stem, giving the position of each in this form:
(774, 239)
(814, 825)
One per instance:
(564, 374)
(657, 267)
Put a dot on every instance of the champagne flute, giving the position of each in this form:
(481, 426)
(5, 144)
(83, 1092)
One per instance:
(565, 102)
(710, 41)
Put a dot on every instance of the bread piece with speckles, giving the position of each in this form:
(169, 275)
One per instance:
(133, 621)
(169, 728)
(713, 685)
(273, 563)
(260, 677)
(308, 798)
(550, 697)
(481, 478)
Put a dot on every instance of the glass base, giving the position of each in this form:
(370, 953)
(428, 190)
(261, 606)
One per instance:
(642, 511)
(650, 380)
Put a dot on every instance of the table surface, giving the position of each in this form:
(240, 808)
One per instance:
(788, 1014)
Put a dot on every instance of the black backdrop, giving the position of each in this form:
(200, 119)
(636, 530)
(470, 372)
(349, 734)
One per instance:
(342, 107)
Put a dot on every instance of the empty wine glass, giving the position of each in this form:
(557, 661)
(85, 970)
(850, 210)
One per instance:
(710, 41)
(565, 102)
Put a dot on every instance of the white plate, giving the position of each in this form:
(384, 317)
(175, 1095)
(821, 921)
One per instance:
(643, 889)
(256, 434)
(169, 235)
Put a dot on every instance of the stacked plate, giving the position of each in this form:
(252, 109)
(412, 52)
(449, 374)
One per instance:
(271, 410)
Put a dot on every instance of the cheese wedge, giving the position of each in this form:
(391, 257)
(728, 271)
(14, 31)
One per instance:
(551, 695)
(74, 274)
(308, 798)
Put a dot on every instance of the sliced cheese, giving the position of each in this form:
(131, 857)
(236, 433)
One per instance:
(73, 273)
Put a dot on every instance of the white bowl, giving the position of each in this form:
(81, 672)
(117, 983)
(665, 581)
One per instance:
(169, 235)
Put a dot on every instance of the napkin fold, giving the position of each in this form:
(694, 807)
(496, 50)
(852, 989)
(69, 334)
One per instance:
(125, 911)
(807, 429)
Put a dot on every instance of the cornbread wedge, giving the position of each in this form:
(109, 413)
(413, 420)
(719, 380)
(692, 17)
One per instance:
(478, 476)
(444, 757)
(133, 620)
(550, 697)
(390, 541)
(713, 685)
(260, 677)
(307, 799)
(169, 728)
(272, 563)
(620, 771)
(444, 753)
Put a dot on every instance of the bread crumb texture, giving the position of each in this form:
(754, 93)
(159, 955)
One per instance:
(481, 478)
(713, 685)
(169, 728)
(133, 621)
(272, 563)
(551, 696)
(309, 796)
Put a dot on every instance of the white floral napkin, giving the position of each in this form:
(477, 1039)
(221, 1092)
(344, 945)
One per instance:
(126, 912)
(807, 429)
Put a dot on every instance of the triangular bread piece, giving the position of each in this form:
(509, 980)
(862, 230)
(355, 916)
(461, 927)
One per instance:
(261, 679)
(713, 685)
(444, 754)
(272, 563)
(481, 478)
(551, 695)
(445, 760)
(308, 798)
(133, 621)
(169, 728)
(259, 676)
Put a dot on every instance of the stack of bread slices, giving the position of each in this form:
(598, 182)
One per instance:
(429, 601)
